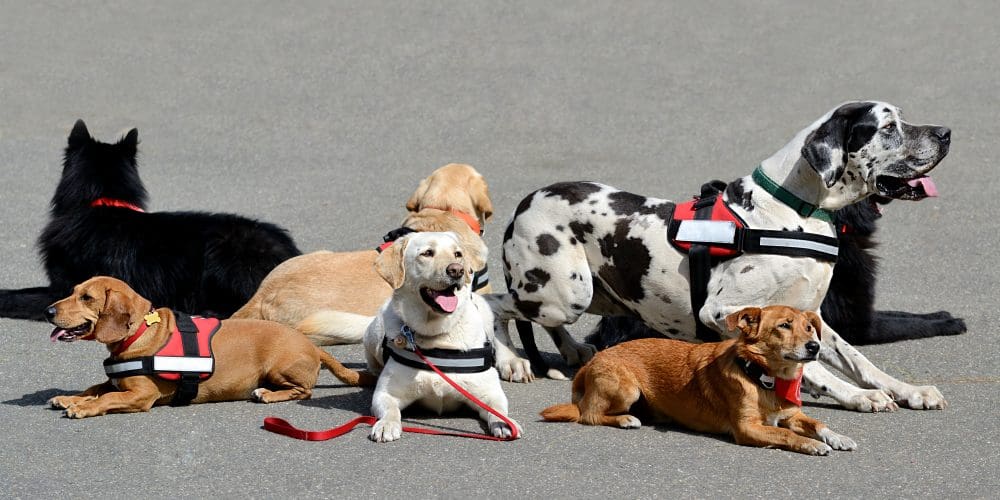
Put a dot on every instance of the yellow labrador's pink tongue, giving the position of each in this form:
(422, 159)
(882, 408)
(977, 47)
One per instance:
(926, 183)
(446, 300)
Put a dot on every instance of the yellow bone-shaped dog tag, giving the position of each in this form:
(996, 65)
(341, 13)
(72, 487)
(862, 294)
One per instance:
(152, 318)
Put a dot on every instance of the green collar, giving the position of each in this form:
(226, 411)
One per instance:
(785, 196)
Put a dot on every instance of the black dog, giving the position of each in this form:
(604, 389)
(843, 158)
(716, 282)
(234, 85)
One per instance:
(202, 263)
(849, 303)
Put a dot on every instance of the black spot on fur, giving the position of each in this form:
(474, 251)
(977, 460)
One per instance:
(736, 193)
(572, 276)
(629, 262)
(581, 230)
(529, 308)
(560, 228)
(624, 203)
(573, 192)
(572, 241)
(524, 205)
(547, 244)
(577, 307)
(746, 269)
(509, 232)
(537, 278)
(717, 293)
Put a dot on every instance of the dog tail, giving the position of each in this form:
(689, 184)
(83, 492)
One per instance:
(28, 303)
(334, 327)
(565, 412)
(345, 374)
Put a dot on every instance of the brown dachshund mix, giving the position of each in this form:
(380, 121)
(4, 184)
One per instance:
(747, 387)
(248, 354)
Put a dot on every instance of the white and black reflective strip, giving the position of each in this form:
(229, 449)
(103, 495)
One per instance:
(790, 243)
(480, 279)
(151, 365)
(447, 360)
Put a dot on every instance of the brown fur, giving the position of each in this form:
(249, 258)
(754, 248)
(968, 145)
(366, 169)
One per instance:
(248, 354)
(701, 387)
(347, 281)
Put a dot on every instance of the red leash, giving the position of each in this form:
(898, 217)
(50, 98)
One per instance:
(281, 426)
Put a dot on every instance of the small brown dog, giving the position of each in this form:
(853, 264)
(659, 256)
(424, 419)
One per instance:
(744, 387)
(453, 198)
(247, 354)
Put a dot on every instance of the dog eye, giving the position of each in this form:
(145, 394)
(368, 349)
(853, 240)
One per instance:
(428, 253)
(786, 325)
(86, 298)
(458, 255)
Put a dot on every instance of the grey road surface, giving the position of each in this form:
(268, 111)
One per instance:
(323, 116)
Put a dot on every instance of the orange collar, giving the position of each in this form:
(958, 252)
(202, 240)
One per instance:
(469, 219)
(111, 202)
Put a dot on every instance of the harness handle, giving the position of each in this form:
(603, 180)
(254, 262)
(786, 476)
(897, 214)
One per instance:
(283, 427)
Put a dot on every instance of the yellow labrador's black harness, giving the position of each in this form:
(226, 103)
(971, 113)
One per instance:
(708, 231)
(401, 348)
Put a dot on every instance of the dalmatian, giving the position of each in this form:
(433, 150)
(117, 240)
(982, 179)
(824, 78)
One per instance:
(577, 247)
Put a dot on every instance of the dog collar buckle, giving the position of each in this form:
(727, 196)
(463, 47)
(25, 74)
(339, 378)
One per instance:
(407, 337)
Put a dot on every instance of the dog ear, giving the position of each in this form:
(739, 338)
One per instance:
(747, 320)
(113, 320)
(130, 140)
(413, 204)
(79, 135)
(817, 323)
(826, 147)
(389, 263)
(480, 194)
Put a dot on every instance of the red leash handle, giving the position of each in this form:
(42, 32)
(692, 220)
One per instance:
(283, 427)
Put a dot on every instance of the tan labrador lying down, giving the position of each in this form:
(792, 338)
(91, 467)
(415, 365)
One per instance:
(453, 198)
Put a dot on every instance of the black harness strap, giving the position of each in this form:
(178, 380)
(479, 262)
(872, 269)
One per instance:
(700, 261)
(447, 360)
(187, 386)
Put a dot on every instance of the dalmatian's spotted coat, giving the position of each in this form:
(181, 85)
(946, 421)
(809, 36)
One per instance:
(578, 247)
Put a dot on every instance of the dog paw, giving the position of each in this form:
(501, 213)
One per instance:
(500, 429)
(258, 395)
(515, 369)
(60, 403)
(77, 412)
(629, 422)
(925, 397)
(816, 448)
(555, 374)
(577, 353)
(385, 431)
(871, 401)
(837, 441)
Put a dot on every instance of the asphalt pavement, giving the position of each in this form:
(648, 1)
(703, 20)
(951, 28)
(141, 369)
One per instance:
(323, 116)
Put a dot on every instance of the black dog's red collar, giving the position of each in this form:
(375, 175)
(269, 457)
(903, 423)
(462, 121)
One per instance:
(111, 202)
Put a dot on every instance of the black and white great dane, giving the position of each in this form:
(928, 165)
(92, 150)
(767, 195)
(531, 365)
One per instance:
(578, 247)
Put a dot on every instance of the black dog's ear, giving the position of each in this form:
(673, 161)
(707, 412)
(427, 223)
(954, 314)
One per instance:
(131, 139)
(79, 135)
(827, 146)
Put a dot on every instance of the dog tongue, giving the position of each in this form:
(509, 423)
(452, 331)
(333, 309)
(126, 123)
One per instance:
(58, 334)
(925, 182)
(447, 301)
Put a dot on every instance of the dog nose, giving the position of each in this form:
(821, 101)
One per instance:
(455, 271)
(50, 313)
(943, 134)
(812, 347)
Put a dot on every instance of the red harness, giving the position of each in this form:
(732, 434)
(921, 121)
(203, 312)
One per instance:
(720, 213)
(186, 358)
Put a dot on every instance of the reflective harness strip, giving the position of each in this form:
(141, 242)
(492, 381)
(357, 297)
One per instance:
(710, 232)
(186, 358)
(447, 360)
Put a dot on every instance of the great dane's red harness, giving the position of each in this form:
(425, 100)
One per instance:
(708, 231)
(186, 358)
